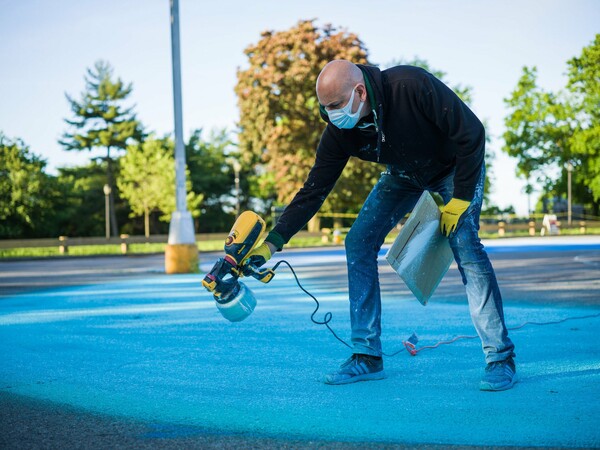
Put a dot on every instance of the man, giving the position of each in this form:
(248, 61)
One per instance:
(429, 139)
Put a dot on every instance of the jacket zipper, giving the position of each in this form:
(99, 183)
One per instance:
(382, 134)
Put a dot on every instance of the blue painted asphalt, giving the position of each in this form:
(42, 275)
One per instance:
(157, 350)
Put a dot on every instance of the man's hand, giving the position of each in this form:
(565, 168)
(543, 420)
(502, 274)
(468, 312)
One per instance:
(451, 213)
(260, 255)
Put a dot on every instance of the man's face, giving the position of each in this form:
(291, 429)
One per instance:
(338, 99)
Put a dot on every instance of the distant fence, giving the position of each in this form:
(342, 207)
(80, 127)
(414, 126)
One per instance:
(64, 242)
(333, 235)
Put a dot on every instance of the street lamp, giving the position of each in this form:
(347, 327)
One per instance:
(237, 168)
(181, 252)
(569, 206)
(107, 209)
(528, 191)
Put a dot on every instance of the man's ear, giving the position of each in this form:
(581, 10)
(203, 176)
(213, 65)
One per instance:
(361, 89)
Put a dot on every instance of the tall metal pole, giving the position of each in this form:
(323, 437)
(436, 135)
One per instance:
(107, 191)
(237, 168)
(569, 205)
(181, 229)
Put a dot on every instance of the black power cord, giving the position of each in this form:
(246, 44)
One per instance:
(410, 343)
(327, 317)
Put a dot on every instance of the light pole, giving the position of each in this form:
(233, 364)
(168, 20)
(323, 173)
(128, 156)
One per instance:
(107, 209)
(237, 168)
(528, 191)
(181, 252)
(569, 205)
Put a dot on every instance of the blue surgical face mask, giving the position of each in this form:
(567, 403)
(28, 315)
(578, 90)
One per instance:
(343, 117)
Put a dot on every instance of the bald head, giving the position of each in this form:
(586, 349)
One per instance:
(337, 79)
(336, 82)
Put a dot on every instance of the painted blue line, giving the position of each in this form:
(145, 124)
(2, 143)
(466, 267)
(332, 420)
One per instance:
(541, 248)
(490, 248)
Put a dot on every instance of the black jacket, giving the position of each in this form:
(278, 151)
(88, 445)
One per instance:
(422, 127)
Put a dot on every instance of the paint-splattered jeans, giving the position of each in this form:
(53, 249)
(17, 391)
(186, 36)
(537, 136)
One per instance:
(395, 194)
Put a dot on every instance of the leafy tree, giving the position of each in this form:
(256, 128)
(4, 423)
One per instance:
(27, 193)
(147, 180)
(101, 121)
(280, 125)
(210, 163)
(546, 131)
(82, 212)
(584, 84)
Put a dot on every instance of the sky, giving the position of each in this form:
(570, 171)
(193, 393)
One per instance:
(46, 47)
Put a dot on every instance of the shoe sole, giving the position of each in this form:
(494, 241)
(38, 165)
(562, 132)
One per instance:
(365, 377)
(487, 387)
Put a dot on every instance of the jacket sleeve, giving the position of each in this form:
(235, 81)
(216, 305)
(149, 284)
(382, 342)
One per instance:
(454, 118)
(329, 164)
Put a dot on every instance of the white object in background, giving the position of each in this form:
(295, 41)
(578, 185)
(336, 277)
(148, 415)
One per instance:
(550, 225)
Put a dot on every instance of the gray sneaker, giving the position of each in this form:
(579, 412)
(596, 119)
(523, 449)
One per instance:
(357, 368)
(499, 376)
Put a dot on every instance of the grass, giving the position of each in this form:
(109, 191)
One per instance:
(214, 245)
(91, 250)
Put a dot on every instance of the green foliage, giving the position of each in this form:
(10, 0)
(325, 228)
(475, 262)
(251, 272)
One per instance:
(101, 121)
(210, 164)
(280, 126)
(545, 131)
(147, 180)
(82, 212)
(99, 117)
(27, 193)
(584, 84)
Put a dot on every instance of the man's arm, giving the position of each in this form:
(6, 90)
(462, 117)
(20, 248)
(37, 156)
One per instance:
(329, 164)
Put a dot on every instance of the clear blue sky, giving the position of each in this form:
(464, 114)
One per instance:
(45, 47)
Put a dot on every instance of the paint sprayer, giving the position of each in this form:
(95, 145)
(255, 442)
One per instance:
(234, 300)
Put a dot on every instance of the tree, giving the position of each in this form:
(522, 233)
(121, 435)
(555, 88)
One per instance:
(211, 173)
(280, 125)
(27, 193)
(82, 210)
(584, 84)
(546, 131)
(101, 121)
(147, 180)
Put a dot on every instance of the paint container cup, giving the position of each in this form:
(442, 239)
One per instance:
(239, 306)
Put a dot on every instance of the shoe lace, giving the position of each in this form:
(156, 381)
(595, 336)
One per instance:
(501, 364)
(364, 358)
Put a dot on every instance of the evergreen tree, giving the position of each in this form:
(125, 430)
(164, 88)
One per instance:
(100, 120)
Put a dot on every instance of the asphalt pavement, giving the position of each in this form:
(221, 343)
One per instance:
(111, 352)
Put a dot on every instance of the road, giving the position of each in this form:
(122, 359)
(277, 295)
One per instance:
(110, 352)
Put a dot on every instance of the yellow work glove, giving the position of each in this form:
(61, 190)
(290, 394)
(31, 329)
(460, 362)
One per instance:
(450, 215)
(258, 256)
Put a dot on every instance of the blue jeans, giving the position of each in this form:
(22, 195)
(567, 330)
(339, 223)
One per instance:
(395, 194)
